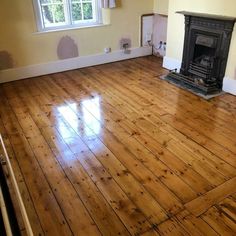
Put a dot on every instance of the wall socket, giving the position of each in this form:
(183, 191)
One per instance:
(107, 50)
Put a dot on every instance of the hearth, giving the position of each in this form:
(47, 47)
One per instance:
(206, 47)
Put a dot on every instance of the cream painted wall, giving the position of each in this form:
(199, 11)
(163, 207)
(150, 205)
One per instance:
(161, 7)
(19, 37)
(175, 34)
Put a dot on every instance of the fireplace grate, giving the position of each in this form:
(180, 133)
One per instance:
(192, 83)
(203, 72)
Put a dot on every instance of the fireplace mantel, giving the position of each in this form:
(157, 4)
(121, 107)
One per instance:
(207, 16)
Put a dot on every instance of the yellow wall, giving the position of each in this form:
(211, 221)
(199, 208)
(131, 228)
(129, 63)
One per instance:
(161, 6)
(18, 32)
(175, 35)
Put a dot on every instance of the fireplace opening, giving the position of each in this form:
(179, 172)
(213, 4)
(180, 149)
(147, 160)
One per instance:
(204, 57)
(201, 52)
(206, 47)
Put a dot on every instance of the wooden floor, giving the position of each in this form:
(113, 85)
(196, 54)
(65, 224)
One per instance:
(114, 150)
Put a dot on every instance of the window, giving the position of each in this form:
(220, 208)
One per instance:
(60, 14)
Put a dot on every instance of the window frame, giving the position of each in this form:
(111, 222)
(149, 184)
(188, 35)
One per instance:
(69, 23)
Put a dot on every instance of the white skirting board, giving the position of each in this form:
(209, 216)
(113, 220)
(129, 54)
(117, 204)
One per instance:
(171, 63)
(229, 85)
(70, 64)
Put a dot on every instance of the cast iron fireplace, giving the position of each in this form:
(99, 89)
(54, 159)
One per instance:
(206, 47)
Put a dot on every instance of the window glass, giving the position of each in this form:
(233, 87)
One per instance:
(66, 13)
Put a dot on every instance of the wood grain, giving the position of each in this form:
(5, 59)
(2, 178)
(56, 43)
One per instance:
(199, 205)
(115, 150)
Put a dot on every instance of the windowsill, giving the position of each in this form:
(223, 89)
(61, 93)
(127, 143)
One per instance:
(71, 28)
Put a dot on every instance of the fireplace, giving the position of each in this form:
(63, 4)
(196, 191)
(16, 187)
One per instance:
(206, 47)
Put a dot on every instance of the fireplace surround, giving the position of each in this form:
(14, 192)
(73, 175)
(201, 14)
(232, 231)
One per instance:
(206, 47)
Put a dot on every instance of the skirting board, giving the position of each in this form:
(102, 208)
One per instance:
(229, 85)
(171, 63)
(70, 64)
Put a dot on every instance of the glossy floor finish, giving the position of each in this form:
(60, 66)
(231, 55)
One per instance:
(114, 150)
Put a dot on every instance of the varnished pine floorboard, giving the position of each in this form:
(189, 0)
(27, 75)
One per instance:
(114, 150)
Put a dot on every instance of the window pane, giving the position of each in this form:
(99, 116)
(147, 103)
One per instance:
(88, 11)
(53, 14)
(45, 1)
(59, 13)
(50, 1)
(47, 14)
(76, 11)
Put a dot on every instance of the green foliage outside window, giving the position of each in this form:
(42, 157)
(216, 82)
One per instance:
(54, 11)
(88, 11)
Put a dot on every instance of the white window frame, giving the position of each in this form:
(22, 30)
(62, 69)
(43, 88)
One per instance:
(69, 24)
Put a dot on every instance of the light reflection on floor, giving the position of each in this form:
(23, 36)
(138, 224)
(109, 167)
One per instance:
(90, 120)
(80, 119)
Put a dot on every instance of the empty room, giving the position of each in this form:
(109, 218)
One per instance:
(118, 117)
